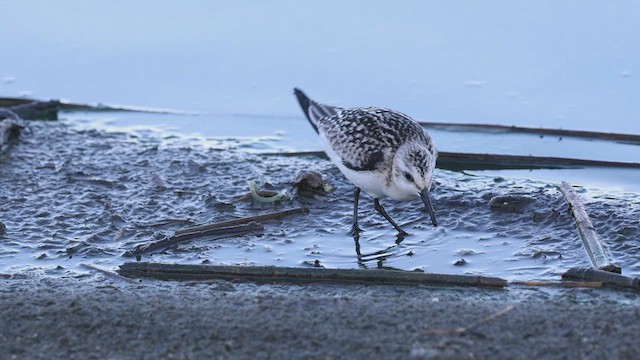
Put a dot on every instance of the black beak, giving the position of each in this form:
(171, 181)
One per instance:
(424, 195)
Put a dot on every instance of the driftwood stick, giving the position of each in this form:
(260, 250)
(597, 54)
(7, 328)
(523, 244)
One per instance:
(471, 161)
(606, 277)
(303, 275)
(599, 254)
(538, 131)
(219, 232)
(245, 220)
(451, 160)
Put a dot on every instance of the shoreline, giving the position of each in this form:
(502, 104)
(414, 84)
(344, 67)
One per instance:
(93, 316)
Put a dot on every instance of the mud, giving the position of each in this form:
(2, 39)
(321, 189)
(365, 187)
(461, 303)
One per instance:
(71, 195)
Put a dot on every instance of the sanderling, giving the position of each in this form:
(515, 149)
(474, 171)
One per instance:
(381, 151)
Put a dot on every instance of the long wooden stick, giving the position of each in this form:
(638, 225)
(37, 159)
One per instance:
(245, 220)
(304, 275)
(599, 254)
(471, 161)
(539, 131)
(219, 232)
(606, 277)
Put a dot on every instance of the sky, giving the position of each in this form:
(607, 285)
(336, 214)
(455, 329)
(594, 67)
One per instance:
(561, 64)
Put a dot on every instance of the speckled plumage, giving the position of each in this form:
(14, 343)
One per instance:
(374, 147)
(367, 138)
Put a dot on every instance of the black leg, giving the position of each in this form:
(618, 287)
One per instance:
(381, 211)
(355, 229)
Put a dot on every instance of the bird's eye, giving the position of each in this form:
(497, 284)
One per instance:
(408, 177)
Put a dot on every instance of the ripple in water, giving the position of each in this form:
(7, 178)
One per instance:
(91, 195)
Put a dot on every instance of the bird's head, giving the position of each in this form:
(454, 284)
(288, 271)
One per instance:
(413, 166)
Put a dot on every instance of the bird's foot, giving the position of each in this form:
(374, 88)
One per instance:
(400, 237)
(355, 230)
(402, 233)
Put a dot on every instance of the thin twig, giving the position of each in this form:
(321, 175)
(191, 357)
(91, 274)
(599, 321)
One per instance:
(109, 273)
(587, 284)
(245, 220)
(219, 232)
(460, 330)
(119, 234)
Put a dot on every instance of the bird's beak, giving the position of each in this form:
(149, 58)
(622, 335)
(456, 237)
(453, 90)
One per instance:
(424, 195)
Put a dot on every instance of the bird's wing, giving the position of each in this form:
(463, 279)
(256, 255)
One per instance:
(314, 110)
(367, 138)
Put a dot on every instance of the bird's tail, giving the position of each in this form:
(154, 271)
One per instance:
(313, 110)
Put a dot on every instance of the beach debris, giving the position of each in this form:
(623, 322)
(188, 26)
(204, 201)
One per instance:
(218, 230)
(514, 203)
(218, 233)
(107, 272)
(471, 161)
(303, 275)
(29, 109)
(461, 329)
(119, 234)
(279, 196)
(606, 277)
(586, 284)
(598, 252)
(311, 181)
(492, 128)
(245, 220)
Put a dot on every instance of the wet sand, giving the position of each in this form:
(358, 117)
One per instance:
(99, 194)
(94, 317)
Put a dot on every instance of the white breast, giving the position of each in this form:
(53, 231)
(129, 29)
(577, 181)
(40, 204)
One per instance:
(371, 182)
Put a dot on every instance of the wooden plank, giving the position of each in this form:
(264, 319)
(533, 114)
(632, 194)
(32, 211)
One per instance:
(599, 254)
(304, 275)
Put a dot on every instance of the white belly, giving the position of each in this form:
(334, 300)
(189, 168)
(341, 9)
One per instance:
(371, 182)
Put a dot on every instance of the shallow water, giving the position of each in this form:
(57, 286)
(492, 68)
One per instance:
(68, 190)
